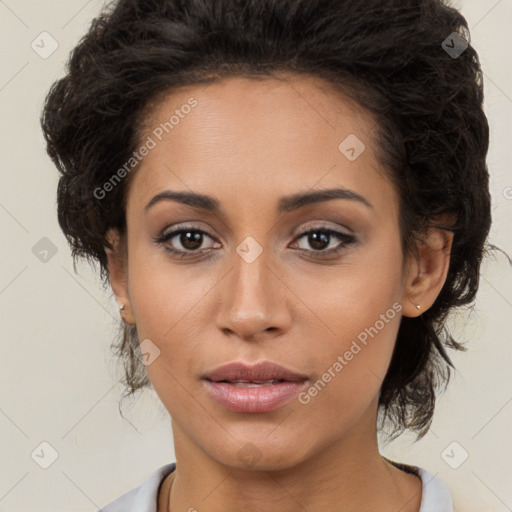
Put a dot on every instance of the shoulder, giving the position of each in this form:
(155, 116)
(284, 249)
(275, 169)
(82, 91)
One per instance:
(142, 498)
(436, 495)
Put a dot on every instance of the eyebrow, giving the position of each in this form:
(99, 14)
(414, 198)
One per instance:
(286, 204)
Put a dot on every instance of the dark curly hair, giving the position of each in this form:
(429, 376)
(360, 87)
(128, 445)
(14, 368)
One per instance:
(390, 56)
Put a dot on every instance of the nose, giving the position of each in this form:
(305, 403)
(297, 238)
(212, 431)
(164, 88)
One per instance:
(254, 301)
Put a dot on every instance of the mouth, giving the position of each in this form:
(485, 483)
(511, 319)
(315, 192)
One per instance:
(262, 372)
(252, 383)
(262, 387)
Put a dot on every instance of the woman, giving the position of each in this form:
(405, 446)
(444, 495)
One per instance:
(287, 198)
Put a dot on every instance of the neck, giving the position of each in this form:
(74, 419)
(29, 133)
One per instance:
(349, 472)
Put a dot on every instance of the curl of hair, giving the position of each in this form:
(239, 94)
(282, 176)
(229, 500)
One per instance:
(386, 55)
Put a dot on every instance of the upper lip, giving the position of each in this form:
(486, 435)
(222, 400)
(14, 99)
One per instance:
(261, 371)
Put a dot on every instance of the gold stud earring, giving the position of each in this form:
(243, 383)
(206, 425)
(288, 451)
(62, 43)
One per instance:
(127, 317)
(418, 306)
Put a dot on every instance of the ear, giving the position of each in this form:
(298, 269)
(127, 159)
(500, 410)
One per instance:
(426, 272)
(118, 271)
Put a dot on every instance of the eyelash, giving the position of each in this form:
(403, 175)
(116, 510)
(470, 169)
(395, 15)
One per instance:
(322, 254)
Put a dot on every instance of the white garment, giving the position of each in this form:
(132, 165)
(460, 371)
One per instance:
(144, 498)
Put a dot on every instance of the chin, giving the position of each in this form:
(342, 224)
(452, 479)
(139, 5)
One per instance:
(260, 454)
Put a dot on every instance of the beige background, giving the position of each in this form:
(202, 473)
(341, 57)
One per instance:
(58, 382)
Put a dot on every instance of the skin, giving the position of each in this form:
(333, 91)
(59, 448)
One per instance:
(248, 143)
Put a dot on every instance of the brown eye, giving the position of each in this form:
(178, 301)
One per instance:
(190, 240)
(184, 242)
(319, 240)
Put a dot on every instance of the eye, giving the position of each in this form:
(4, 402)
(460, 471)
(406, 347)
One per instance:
(320, 238)
(190, 238)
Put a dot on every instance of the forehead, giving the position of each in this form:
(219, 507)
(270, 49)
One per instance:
(288, 104)
(261, 135)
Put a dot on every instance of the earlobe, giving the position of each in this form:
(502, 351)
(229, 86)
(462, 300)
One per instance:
(117, 270)
(427, 272)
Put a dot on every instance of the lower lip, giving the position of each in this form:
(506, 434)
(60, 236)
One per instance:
(254, 399)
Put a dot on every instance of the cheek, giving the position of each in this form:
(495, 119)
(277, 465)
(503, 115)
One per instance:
(171, 304)
(350, 376)
(358, 299)
(360, 314)
(166, 296)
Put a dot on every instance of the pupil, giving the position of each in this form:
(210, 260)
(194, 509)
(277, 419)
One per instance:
(319, 240)
(191, 240)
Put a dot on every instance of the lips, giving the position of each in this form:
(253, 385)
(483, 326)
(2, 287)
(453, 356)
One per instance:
(258, 388)
(263, 373)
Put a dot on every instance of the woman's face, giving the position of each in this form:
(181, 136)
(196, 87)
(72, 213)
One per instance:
(246, 285)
